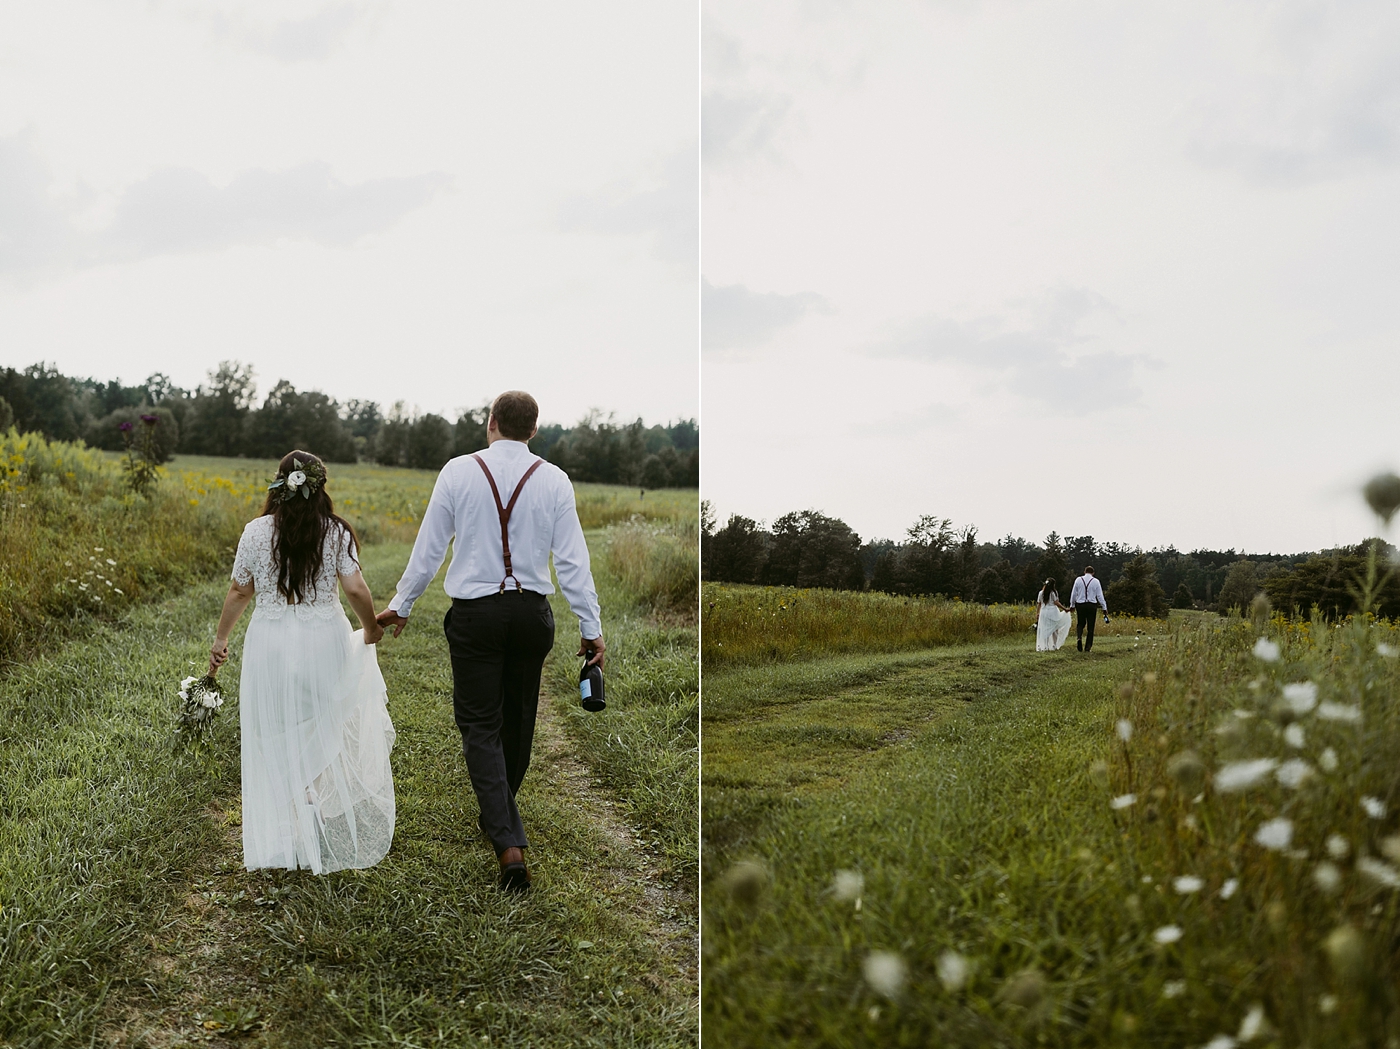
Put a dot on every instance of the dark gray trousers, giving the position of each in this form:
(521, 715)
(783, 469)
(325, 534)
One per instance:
(498, 645)
(1084, 615)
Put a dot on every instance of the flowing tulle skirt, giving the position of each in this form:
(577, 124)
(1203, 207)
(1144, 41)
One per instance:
(1051, 629)
(317, 788)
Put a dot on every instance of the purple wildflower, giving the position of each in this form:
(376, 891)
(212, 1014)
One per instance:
(125, 427)
(150, 420)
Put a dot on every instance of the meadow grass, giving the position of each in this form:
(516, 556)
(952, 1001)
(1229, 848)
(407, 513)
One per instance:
(126, 916)
(78, 546)
(922, 848)
(757, 624)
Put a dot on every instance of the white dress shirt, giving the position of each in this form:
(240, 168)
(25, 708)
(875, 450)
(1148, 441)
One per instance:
(544, 520)
(1088, 591)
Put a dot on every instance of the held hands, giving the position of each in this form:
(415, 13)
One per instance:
(592, 647)
(389, 618)
(218, 655)
(373, 632)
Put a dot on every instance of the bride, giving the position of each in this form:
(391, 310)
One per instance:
(1052, 619)
(317, 788)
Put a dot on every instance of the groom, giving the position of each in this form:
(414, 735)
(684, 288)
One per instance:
(1087, 599)
(505, 510)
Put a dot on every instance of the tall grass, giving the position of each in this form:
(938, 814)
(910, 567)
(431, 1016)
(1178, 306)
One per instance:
(1297, 853)
(746, 624)
(655, 563)
(79, 546)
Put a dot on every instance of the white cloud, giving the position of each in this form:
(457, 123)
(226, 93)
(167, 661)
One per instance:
(667, 210)
(292, 39)
(733, 317)
(1311, 92)
(738, 119)
(176, 210)
(1036, 348)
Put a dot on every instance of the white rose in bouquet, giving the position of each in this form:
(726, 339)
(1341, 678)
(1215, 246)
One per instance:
(296, 479)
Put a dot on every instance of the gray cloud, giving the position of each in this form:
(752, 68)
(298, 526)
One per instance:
(668, 211)
(178, 210)
(732, 317)
(737, 120)
(1325, 99)
(292, 39)
(1028, 350)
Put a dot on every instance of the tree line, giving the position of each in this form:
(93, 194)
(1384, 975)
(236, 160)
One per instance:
(223, 417)
(809, 549)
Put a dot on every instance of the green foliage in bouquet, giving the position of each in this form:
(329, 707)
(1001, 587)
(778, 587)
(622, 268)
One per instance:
(200, 700)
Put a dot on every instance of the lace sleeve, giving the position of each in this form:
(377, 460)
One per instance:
(346, 560)
(243, 560)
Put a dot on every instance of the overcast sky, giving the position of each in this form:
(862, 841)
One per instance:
(1125, 270)
(424, 200)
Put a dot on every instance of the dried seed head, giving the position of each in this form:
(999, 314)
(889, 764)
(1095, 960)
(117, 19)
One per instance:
(1025, 989)
(746, 881)
(1382, 494)
(1347, 951)
(1188, 770)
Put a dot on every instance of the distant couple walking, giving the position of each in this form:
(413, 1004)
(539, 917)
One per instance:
(1052, 618)
(318, 790)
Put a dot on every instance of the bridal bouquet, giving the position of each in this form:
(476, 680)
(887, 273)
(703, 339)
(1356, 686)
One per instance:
(200, 700)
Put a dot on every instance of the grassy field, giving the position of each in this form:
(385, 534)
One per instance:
(958, 846)
(126, 918)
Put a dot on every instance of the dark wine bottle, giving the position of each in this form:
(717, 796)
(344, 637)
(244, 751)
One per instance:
(590, 687)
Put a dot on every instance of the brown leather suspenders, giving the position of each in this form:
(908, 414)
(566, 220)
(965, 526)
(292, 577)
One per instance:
(504, 513)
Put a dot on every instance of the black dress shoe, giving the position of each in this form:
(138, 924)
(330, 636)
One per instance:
(515, 877)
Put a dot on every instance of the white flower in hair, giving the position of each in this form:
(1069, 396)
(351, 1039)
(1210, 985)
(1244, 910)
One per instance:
(296, 479)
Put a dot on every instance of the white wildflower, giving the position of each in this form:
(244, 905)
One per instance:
(1379, 870)
(1276, 834)
(1243, 715)
(1252, 1026)
(1293, 772)
(1173, 988)
(1300, 696)
(1188, 883)
(847, 886)
(1125, 729)
(1167, 934)
(1221, 1041)
(1327, 1004)
(1122, 801)
(119, 590)
(1293, 736)
(1231, 886)
(1338, 847)
(1147, 879)
(885, 973)
(953, 970)
(1328, 760)
(1241, 775)
(110, 561)
(1375, 808)
(1267, 650)
(1338, 712)
(1389, 651)
(1327, 876)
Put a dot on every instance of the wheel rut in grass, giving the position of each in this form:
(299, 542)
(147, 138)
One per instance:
(215, 970)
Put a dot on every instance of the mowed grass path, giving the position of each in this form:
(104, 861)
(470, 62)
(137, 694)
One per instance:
(957, 782)
(127, 918)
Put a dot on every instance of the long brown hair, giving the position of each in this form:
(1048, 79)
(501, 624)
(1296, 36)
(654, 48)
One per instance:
(300, 533)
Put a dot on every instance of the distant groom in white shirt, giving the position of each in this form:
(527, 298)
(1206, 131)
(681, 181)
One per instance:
(505, 510)
(1087, 599)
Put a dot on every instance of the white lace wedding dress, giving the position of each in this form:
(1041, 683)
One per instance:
(317, 788)
(1052, 625)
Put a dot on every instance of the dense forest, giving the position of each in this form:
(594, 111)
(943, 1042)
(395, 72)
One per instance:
(810, 549)
(223, 417)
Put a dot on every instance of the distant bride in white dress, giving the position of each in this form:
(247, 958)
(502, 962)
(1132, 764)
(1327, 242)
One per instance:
(1053, 619)
(318, 792)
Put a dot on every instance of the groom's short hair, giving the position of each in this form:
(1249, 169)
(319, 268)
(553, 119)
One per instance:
(516, 413)
(1087, 568)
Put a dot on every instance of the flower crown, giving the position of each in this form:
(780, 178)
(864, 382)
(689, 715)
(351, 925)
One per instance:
(303, 477)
